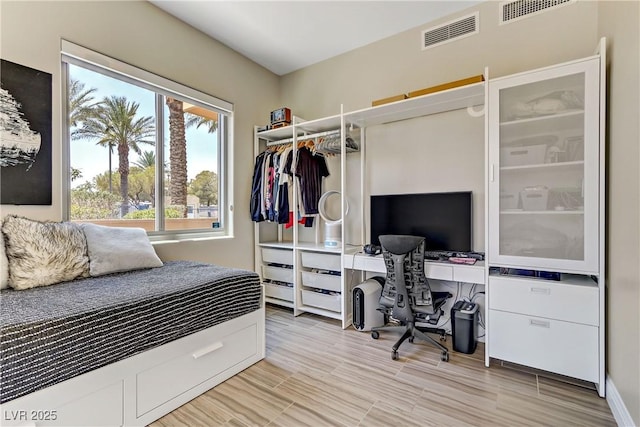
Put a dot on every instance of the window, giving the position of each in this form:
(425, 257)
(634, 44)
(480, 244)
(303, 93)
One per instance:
(143, 151)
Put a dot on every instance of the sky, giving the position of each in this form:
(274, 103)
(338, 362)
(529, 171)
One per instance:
(93, 159)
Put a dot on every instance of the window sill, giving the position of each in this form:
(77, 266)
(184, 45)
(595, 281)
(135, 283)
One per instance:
(170, 238)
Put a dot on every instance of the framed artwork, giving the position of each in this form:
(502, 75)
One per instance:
(25, 135)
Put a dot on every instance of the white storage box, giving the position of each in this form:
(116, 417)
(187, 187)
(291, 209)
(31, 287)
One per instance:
(277, 273)
(329, 282)
(278, 291)
(317, 299)
(321, 261)
(534, 199)
(277, 256)
(519, 156)
(509, 201)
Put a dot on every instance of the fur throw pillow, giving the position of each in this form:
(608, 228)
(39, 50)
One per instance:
(44, 253)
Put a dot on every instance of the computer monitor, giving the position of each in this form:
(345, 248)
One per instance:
(443, 219)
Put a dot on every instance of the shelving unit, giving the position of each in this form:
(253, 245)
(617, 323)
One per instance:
(347, 177)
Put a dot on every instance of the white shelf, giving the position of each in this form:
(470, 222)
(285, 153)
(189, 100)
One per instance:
(557, 122)
(447, 100)
(320, 125)
(523, 212)
(317, 247)
(578, 165)
(282, 245)
(276, 134)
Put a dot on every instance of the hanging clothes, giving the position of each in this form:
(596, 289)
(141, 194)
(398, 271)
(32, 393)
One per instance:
(310, 168)
(272, 189)
(255, 204)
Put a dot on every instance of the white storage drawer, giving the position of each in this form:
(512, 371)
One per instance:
(278, 291)
(211, 357)
(321, 261)
(277, 273)
(562, 347)
(277, 256)
(322, 281)
(573, 301)
(317, 299)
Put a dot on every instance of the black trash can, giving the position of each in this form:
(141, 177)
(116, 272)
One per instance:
(464, 326)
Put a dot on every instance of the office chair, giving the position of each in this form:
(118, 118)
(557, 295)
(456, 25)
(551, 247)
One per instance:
(406, 295)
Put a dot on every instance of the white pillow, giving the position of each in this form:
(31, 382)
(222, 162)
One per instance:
(116, 249)
(4, 264)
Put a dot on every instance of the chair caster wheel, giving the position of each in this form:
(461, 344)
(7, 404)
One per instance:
(445, 356)
(443, 338)
(375, 335)
(410, 339)
(394, 355)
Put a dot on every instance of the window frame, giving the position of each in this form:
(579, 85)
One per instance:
(162, 87)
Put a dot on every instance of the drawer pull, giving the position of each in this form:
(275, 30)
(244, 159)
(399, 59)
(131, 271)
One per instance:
(539, 323)
(545, 291)
(198, 354)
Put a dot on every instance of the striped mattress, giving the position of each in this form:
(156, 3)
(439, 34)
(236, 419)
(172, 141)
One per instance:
(50, 334)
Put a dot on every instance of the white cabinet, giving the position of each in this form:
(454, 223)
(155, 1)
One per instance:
(545, 220)
(544, 160)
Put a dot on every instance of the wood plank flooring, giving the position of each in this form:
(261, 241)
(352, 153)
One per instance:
(316, 374)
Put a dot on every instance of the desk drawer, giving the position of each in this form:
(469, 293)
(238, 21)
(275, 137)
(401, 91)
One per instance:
(211, 357)
(438, 271)
(555, 300)
(552, 345)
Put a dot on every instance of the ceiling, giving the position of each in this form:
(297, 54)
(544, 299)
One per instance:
(284, 36)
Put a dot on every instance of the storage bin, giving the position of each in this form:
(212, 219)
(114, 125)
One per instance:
(321, 261)
(534, 199)
(329, 282)
(317, 299)
(277, 256)
(277, 273)
(525, 155)
(509, 201)
(278, 291)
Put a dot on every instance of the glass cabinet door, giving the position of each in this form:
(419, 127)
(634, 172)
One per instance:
(543, 157)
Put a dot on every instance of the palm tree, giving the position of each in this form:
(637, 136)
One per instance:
(147, 159)
(197, 121)
(81, 105)
(177, 154)
(116, 125)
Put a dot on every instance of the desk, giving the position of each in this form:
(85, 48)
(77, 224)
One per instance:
(438, 270)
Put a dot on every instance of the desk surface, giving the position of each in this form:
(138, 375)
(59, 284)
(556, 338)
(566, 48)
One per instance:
(439, 270)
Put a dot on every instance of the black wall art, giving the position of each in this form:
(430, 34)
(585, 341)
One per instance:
(25, 135)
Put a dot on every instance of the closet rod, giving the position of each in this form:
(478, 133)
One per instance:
(303, 137)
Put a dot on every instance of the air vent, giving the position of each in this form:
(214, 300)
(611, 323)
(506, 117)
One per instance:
(454, 30)
(514, 10)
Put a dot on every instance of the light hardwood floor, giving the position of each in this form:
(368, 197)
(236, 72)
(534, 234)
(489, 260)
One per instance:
(316, 374)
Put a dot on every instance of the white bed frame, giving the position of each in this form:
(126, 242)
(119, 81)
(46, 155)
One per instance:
(140, 389)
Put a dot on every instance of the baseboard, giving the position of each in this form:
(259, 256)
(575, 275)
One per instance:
(617, 406)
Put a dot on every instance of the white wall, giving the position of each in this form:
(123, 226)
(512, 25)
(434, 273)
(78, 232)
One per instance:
(619, 21)
(140, 34)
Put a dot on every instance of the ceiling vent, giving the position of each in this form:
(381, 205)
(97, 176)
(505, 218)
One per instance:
(454, 30)
(514, 10)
